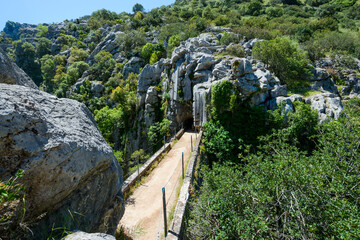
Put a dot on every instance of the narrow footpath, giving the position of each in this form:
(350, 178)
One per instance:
(143, 217)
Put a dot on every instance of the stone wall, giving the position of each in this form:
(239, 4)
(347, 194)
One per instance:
(176, 227)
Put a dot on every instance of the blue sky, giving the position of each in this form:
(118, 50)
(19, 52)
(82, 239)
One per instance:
(52, 11)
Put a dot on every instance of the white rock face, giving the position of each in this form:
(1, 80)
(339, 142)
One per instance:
(89, 236)
(68, 164)
(200, 62)
(327, 105)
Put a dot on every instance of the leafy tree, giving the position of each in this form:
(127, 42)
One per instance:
(152, 52)
(107, 119)
(221, 20)
(139, 15)
(104, 16)
(43, 47)
(284, 58)
(284, 193)
(217, 142)
(157, 131)
(252, 8)
(220, 98)
(76, 70)
(48, 69)
(103, 66)
(228, 38)
(138, 7)
(174, 41)
(25, 58)
(131, 40)
(43, 30)
(77, 54)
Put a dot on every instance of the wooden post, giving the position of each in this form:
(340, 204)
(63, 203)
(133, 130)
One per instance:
(164, 210)
(191, 143)
(138, 163)
(182, 164)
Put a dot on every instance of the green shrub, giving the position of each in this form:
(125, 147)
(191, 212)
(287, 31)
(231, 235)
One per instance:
(236, 50)
(228, 38)
(157, 132)
(221, 20)
(284, 58)
(217, 142)
(281, 191)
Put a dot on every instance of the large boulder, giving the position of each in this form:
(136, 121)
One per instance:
(72, 177)
(10, 73)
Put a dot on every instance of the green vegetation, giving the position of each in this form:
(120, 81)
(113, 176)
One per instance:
(298, 181)
(266, 175)
(12, 205)
(284, 58)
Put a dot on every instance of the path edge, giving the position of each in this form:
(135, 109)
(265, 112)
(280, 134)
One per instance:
(131, 181)
(176, 227)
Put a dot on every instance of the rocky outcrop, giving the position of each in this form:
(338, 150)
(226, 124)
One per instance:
(195, 68)
(132, 66)
(109, 44)
(72, 177)
(10, 73)
(14, 30)
(89, 236)
(199, 63)
(150, 76)
(326, 104)
(352, 87)
(322, 81)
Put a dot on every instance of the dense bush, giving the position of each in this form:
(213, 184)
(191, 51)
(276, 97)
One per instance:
(284, 58)
(284, 193)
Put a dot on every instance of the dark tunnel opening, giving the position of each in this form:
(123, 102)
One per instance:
(189, 124)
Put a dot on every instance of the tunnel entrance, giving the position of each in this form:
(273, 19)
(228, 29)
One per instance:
(189, 124)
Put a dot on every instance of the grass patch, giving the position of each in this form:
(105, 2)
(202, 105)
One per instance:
(303, 91)
(310, 93)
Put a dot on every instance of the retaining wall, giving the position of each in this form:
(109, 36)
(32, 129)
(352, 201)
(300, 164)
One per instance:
(176, 227)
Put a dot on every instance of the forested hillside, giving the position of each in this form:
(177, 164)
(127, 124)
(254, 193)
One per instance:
(274, 84)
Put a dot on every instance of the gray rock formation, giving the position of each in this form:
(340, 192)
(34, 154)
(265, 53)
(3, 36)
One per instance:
(195, 66)
(69, 168)
(150, 76)
(10, 73)
(151, 101)
(201, 99)
(133, 65)
(88, 236)
(326, 104)
(97, 88)
(109, 44)
(352, 87)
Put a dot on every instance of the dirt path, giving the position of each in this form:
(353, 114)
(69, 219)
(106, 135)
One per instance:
(143, 218)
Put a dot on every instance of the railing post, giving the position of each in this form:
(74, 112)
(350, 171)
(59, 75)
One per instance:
(182, 164)
(191, 143)
(138, 163)
(164, 210)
